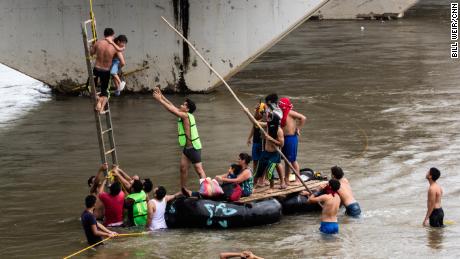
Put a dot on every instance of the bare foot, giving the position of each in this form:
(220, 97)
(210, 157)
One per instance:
(283, 186)
(185, 192)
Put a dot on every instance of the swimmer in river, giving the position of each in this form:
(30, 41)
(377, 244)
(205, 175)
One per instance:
(434, 214)
(242, 255)
(346, 195)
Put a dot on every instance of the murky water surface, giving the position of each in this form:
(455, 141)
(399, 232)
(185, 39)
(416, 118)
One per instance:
(382, 102)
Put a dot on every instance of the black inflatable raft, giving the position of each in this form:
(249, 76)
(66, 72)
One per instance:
(202, 213)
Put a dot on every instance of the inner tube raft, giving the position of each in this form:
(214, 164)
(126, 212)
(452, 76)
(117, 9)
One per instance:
(202, 213)
(298, 204)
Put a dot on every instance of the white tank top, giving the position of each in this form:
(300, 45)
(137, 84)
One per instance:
(158, 219)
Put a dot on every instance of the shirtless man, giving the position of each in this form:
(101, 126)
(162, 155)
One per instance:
(346, 195)
(105, 52)
(187, 134)
(434, 213)
(270, 158)
(291, 123)
(330, 202)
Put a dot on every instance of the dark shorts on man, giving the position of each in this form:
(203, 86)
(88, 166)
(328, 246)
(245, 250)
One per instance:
(104, 78)
(87, 220)
(267, 163)
(194, 155)
(256, 151)
(353, 209)
(437, 218)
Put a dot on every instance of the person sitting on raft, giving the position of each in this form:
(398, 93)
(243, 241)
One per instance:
(157, 208)
(330, 203)
(136, 204)
(240, 174)
(93, 229)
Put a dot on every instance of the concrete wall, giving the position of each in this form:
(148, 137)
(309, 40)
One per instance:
(42, 38)
(353, 9)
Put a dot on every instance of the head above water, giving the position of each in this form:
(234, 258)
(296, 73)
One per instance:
(337, 172)
(108, 32)
(188, 106)
(334, 184)
(115, 188)
(90, 201)
(433, 174)
(137, 186)
(160, 192)
(245, 158)
(148, 185)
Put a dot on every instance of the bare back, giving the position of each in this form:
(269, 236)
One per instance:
(435, 190)
(292, 123)
(104, 54)
(330, 206)
(270, 146)
(346, 195)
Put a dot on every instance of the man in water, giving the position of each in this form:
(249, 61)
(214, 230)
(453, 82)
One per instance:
(291, 123)
(346, 195)
(94, 231)
(136, 204)
(330, 202)
(104, 52)
(188, 136)
(434, 213)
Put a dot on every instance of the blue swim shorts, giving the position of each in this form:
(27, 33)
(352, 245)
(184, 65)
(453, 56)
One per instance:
(329, 227)
(353, 210)
(115, 66)
(290, 147)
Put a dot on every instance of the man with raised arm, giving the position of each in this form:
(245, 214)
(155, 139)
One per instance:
(434, 213)
(330, 202)
(291, 123)
(187, 134)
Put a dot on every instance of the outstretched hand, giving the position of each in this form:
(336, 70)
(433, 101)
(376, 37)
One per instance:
(156, 93)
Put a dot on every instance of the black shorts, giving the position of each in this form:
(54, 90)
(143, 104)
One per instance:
(104, 77)
(194, 155)
(437, 218)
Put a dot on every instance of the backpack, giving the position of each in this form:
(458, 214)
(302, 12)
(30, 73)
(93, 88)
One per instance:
(210, 188)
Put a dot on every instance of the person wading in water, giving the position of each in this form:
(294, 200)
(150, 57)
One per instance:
(188, 136)
(434, 213)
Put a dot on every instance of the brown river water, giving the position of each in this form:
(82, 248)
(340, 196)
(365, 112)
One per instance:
(382, 102)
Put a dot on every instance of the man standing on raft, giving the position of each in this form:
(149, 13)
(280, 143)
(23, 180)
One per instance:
(291, 123)
(188, 135)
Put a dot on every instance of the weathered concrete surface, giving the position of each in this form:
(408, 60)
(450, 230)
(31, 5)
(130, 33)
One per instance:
(359, 9)
(42, 38)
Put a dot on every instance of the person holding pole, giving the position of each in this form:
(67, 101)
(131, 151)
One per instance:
(187, 134)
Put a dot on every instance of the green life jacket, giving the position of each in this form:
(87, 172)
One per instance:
(193, 132)
(139, 208)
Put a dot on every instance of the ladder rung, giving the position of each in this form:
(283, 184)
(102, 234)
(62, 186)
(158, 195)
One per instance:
(92, 40)
(110, 151)
(88, 21)
(107, 130)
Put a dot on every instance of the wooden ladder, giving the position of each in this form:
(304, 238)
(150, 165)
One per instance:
(106, 130)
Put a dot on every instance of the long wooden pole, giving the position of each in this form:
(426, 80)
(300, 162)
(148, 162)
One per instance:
(245, 109)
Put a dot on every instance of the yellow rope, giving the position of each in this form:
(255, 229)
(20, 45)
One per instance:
(91, 246)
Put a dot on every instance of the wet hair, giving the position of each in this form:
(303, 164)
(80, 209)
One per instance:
(137, 186)
(115, 188)
(90, 180)
(335, 184)
(108, 32)
(236, 169)
(148, 185)
(246, 157)
(435, 173)
(90, 200)
(271, 98)
(337, 172)
(121, 38)
(190, 105)
(160, 192)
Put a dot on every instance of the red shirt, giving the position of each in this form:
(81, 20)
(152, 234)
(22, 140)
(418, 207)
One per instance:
(113, 207)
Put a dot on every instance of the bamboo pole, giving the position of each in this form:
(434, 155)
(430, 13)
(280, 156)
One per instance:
(245, 109)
